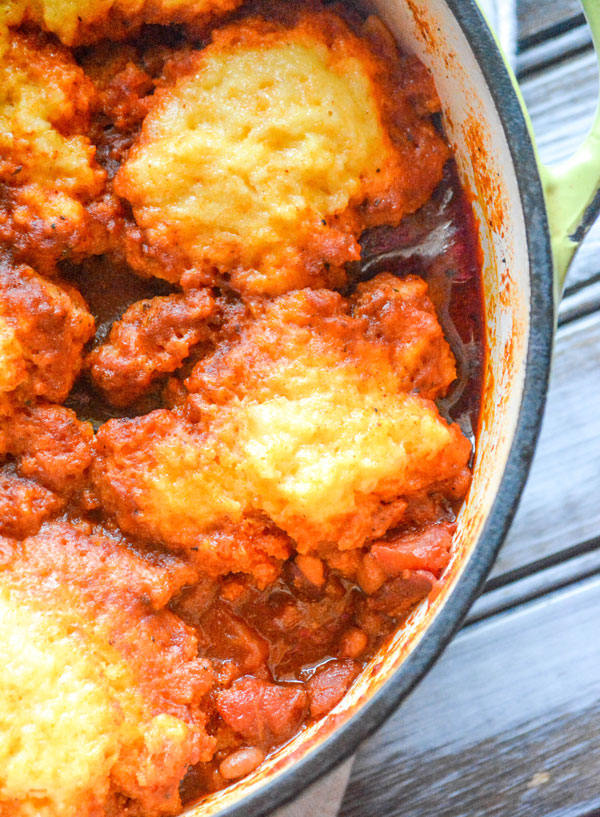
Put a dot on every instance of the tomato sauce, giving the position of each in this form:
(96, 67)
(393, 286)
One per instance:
(440, 242)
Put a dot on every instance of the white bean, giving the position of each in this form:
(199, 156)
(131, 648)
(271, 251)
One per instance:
(241, 762)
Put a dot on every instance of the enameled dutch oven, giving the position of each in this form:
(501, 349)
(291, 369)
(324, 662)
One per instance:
(531, 220)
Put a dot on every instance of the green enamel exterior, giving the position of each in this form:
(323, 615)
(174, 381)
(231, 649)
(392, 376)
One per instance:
(571, 187)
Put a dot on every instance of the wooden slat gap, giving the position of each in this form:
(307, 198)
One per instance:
(541, 564)
(552, 53)
(520, 605)
(556, 30)
(538, 15)
(578, 286)
(532, 587)
(580, 303)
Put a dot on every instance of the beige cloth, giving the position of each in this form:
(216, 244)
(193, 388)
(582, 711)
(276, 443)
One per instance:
(323, 798)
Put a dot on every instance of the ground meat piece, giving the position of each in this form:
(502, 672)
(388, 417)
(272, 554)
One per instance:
(51, 446)
(50, 179)
(398, 596)
(401, 315)
(264, 714)
(329, 684)
(116, 674)
(124, 89)
(49, 325)
(227, 637)
(194, 601)
(24, 504)
(152, 338)
(427, 549)
(273, 192)
(302, 623)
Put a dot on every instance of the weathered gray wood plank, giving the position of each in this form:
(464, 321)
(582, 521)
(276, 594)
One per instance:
(537, 16)
(580, 302)
(561, 102)
(560, 506)
(547, 53)
(506, 725)
(538, 582)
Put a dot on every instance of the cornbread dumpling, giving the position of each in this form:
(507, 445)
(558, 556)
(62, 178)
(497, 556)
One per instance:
(97, 713)
(44, 326)
(281, 142)
(304, 420)
(169, 480)
(79, 22)
(48, 173)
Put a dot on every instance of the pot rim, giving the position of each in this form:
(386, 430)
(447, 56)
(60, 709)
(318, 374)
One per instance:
(344, 740)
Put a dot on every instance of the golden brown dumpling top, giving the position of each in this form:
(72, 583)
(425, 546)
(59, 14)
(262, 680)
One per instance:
(48, 170)
(271, 152)
(96, 713)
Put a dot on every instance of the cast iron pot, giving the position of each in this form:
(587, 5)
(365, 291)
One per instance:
(531, 220)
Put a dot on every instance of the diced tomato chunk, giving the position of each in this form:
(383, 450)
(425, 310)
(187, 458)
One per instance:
(427, 549)
(263, 713)
(329, 684)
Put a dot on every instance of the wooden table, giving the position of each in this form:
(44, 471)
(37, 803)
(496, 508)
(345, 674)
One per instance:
(508, 721)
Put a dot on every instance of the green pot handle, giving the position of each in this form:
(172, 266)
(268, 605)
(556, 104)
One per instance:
(573, 188)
